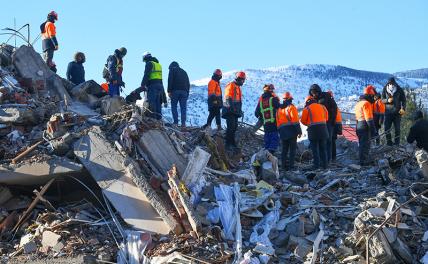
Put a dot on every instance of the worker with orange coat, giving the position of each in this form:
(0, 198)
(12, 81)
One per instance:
(287, 121)
(315, 116)
(378, 115)
(49, 41)
(365, 125)
(232, 108)
(214, 99)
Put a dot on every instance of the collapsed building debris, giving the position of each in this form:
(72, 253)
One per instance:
(86, 175)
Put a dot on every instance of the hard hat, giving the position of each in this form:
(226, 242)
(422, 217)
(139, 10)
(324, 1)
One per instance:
(308, 98)
(123, 51)
(146, 55)
(241, 75)
(268, 87)
(53, 14)
(287, 95)
(218, 72)
(370, 90)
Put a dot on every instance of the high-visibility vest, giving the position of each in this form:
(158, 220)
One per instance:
(378, 107)
(364, 111)
(233, 92)
(214, 88)
(156, 73)
(49, 31)
(266, 108)
(314, 114)
(287, 116)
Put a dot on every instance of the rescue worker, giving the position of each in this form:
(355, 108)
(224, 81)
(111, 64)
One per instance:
(266, 109)
(112, 72)
(315, 117)
(75, 70)
(214, 100)
(395, 106)
(49, 40)
(419, 131)
(232, 108)
(365, 124)
(337, 130)
(328, 101)
(178, 91)
(152, 83)
(287, 122)
(378, 115)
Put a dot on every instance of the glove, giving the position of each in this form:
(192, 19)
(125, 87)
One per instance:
(402, 111)
(122, 83)
(390, 100)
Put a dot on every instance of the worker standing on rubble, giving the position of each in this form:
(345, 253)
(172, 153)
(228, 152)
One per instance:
(214, 100)
(337, 130)
(232, 108)
(178, 91)
(378, 115)
(75, 69)
(49, 41)
(266, 109)
(287, 122)
(315, 117)
(419, 131)
(394, 98)
(365, 124)
(328, 101)
(113, 71)
(152, 83)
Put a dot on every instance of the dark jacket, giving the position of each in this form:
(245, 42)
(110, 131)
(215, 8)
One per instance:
(399, 100)
(419, 132)
(147, 70)
(75, 72)
(269, 126)
(328, 101)
(177, 79)
(113, 73)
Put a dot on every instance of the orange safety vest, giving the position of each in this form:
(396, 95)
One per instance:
(233, 92)
(338, 117)
(214, 88)
(378, 107)
(364, 111)
(314, 114)
(287, 116)
(50, 30)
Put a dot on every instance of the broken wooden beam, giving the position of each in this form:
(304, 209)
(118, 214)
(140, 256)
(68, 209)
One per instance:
(26, 152)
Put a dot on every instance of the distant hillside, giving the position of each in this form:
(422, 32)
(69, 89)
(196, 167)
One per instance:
(419, 73)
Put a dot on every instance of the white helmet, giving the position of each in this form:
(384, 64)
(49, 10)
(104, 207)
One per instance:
(146, 55)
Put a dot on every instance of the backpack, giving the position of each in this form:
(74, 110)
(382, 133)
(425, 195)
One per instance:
(106, 73)
(42, 27)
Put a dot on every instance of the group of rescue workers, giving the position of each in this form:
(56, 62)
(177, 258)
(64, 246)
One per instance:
(280, 118)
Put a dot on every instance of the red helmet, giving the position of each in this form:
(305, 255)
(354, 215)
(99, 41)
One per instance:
(241, 75)
(370, 90)
(53, 14)
(218, 72)
(287, 95)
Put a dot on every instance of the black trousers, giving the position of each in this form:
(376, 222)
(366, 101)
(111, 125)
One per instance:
(232, 126)
(319, 152)
(363, 146)
(333, 148)
(392, 119)
(214, 113)
(288, 152)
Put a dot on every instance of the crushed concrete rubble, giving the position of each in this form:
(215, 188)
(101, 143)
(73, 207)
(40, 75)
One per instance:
(83, 174)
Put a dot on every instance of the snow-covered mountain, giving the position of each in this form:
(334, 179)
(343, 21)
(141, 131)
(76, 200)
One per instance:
(346, 84)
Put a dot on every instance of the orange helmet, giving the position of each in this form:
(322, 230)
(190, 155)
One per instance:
(308, 98)
(370, 90)
(241, 75)
(287, 95)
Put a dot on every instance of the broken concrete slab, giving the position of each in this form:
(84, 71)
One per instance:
(105, 164)
(19, 114)
(5, 194)
(35, 173)
(90, 87)
(30, 64)
(49, 239)
(111, 105)
(422, 158)
(161, 152)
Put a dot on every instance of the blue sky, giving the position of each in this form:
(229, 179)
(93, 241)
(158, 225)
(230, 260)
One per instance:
(378, 35)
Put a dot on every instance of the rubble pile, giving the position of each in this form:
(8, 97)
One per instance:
(85, 174)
